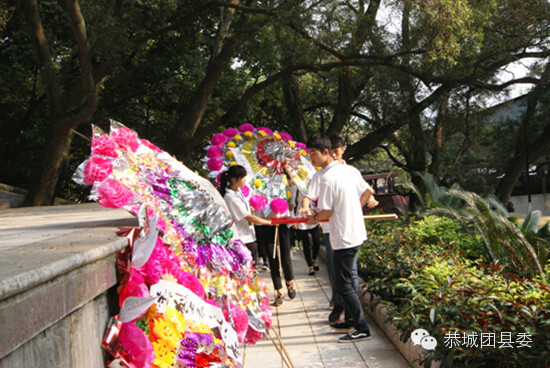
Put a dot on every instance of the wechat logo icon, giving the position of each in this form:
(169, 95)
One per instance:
(422, 337)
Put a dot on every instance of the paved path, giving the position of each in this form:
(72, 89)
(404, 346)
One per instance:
(303, 326)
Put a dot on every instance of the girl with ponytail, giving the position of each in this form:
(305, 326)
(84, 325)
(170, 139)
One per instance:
(231, 181)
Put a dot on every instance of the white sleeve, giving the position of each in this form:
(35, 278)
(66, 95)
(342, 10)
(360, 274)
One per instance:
(360, 184)
(313, 188)
(326, 196)
(237, 208)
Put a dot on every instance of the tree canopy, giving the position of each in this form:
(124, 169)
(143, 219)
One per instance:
(410, 78)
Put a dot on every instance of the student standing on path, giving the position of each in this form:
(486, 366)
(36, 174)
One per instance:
(309, 235)
(231, 181)
(338, 201)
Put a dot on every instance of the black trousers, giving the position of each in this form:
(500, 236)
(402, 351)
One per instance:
(253, 248)
(268, 232)
(311, 241)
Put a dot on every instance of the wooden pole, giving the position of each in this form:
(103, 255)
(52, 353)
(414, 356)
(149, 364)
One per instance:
(279, 350)
(389, 216)
(282, 346)
(275, 241)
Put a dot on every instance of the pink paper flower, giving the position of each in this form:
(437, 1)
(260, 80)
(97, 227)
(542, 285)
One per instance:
(300, 145)
(112, 194)
(285, 136)
(125, 139)
(146, 143)
(253, 336)
(134, 287)
(214, 164)
(97, 169)
(214, 151)
(245, 191)
(240, 320)
(257, 202)
(138, 350)
(218, 139)
(230, 132)
(104, 146)
(246, 127)
(266, 130)
(278, 206)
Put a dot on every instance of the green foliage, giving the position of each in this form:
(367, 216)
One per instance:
(432, 286)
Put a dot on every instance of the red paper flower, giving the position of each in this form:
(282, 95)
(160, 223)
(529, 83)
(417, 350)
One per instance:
(112, 194)
(97, 169)
(125, 139)
(104, 146)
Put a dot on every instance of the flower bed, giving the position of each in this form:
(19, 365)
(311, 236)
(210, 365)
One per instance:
(480, 314)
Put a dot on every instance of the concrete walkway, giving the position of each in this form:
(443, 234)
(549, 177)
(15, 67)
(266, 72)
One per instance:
(303, 326)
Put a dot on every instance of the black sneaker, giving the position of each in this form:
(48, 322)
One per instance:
(291, 290)
(355, 336)
(315, 265)
(336, 313)
(341, 325)
(278, 300)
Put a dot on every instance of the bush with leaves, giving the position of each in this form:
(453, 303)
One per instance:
(420, 273)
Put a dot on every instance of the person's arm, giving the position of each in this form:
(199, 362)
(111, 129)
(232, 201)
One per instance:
(319, 216)
(367, 198)
(305, 207)
(257, 220)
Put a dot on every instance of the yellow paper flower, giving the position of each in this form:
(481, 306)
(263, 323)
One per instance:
(261, 132)
(288, 194)
(164, 355)
(258, 183)
(233, 163)
(303, 152)
(231, 144)
(248, 134)
(229, 154)
(276, 135)
(237, 137)
(291, 143)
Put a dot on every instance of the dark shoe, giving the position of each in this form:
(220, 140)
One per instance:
(355, 336)
(315, 265)
(278, 300)
(264, 268)
(336, 313)
(341, 325)
(291, 291)
(311, 271)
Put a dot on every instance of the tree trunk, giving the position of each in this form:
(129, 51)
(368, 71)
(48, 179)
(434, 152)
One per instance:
(64, 114)
(293, 102)
(41, 192)
(194, 109)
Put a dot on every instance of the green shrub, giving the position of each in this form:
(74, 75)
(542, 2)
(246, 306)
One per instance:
(421, 275)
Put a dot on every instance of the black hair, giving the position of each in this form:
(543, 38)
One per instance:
(336, 141)
(236, 171)
(319, 142)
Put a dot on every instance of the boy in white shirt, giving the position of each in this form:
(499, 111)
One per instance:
(341, 199)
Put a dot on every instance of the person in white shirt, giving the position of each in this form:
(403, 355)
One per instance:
(230, 183)
(341, 199)
(309, 235)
